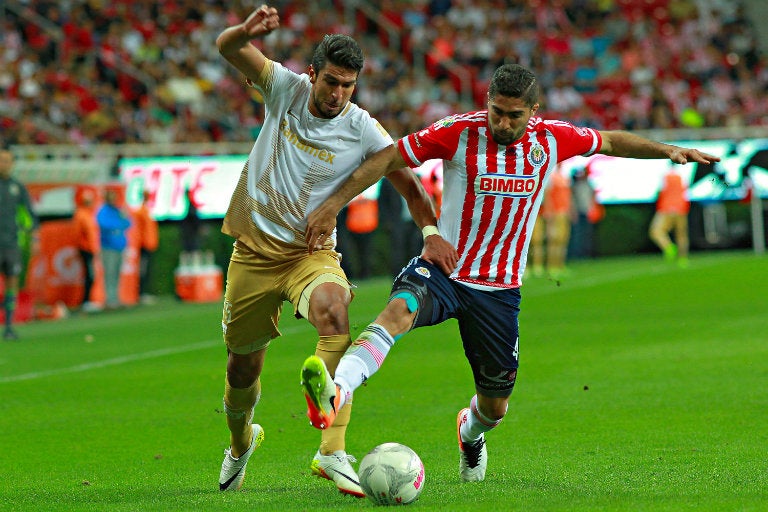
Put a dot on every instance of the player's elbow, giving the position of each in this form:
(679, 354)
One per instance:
(220, 44)
(226, 46)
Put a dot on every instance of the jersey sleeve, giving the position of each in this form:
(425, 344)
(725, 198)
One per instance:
(277, 81)
(375, 137)
(573, 140)
(437, 141)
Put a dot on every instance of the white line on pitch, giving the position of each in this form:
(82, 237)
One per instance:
(115, 361)
(152, 354)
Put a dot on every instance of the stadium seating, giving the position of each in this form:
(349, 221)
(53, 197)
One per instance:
(141, 71)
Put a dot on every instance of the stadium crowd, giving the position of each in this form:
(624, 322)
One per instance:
(86, 71)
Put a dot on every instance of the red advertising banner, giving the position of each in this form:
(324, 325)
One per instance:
(56, 273)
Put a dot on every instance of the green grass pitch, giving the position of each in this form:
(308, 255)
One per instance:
(642, 387)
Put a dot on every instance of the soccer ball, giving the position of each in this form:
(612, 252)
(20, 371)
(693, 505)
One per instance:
(392, 474)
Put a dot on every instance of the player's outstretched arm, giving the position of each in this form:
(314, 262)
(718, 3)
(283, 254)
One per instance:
(234, 43)
(322, 220)
(630, 145)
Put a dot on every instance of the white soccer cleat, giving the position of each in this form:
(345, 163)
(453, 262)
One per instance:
(320, 393)
(473, 457)
(233, 469)
(337, 468)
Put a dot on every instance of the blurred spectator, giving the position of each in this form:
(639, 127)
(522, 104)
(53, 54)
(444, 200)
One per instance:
(149, 237)
(18, 223)
(443, 47)
(88, 245)
(563, 97)
(404, 237)
(672, 207)
(587, 213)
(362, 219)
(183, 89)
(190, 232)
(109, 57)
(113, 223)
(549, 242)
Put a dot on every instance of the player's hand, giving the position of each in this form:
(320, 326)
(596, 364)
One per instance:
(684, 155)
(320, 225)
(262, 21)
(440, 253)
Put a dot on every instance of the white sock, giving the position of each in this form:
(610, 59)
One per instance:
(362, 360)
(477, 423)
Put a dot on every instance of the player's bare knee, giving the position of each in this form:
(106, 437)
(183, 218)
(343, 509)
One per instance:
(328, 308)
(410, 303)
(329, 318)
(240, 380)
(397, 317)
(327, 294)
(244, 369)
(400, 305)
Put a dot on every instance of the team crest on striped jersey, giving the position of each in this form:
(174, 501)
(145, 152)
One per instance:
(537, 157)
(445, 122)
(423, 271)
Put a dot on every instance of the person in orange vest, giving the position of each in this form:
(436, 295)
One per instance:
(88, 245)
(149, 237)
(552, 230)
(361, 222)
(672, 207)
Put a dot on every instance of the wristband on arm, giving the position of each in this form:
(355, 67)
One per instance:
(429, 230)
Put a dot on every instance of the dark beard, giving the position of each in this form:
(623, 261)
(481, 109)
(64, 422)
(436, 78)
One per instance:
(320, 107)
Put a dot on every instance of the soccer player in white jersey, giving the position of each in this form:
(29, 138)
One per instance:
(312, 139)
(496, 166)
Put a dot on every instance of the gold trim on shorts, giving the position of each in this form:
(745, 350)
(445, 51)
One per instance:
(303, 306)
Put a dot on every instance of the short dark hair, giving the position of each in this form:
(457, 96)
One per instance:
(340, 50)
(515, 81)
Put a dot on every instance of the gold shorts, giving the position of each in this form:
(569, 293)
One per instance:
(257, 286)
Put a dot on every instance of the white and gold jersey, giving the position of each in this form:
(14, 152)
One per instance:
(297, 161)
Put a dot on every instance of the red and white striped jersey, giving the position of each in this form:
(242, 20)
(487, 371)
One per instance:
(492, 193)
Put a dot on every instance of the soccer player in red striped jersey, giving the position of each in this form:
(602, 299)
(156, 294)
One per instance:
(496, 164)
